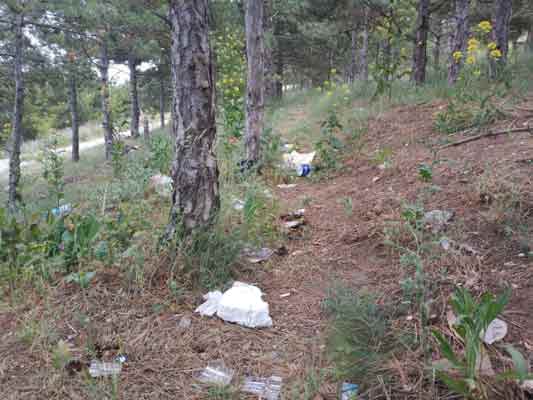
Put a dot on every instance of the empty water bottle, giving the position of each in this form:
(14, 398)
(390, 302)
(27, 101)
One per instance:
(100, 368)
(265, 388)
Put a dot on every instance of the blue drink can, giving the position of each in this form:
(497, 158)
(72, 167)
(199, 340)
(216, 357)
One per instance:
(304, 170)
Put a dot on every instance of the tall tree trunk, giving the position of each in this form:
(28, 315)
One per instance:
(74, 118)
(500, 34)
(421, 42)
(162, 98)
(387, 58)
(462, 16)
(437, 46)
(279, 68)
(16, 128)
(353, 59)
(134, 96)
(255, 84)
(269, 42)
(146, 132)
(195, 199)
(529, 42)
(107, 124)
(363, 58)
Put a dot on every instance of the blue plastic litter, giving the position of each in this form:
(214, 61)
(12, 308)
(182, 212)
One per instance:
(349, 391)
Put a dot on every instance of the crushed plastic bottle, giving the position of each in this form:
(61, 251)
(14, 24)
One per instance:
(265, 388)
(99, 368)
(215, 373)
(349, 391)
(62, 211)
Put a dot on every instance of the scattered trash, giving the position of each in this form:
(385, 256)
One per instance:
(265, 388)
(98, 368)
(238, 204)
(495, 332)
(162, 184)
(185, 323)
(375, 179)
(437, 219)
(282, 296)
(448, 244)
(257, 256)
(215, 373)
(241, 304)
(303, 170)
(62, 211)
(121, 358)
(527, 386)
(287, 186)
(294, 219)
(245, 165)
(294, 160)
(349, 391)
(210, 306)
(287, 147)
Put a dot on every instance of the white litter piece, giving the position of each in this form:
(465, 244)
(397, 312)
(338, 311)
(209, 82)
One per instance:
(437, 219)
(162, 184)
(210, 307)
(294, 159)
(215, 373)
(256, 256)
(98, 368)
(185, 323)
(265, 388)
(241, 304)
(496, 331)
(62, 211)
(238, 204)
(527, 386)
(293, 224)
(287, 186)
(282, 296)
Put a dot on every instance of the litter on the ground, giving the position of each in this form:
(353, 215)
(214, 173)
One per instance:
(448, 244)
(527, 386)
(287, 186)
(285, 295)
(349, 391)
(437, 219)
(238, 204)
(241, 304)
(99, 368)
(210, 306)
(303, 170)
(495, 332)
(215, 373)
(265, 388)
(294, 219)
(293, 224)
(162, 184)
(287, 147)
(256, 256)
(121, 358)
(294, 159)
(62, 211)
(185, 323)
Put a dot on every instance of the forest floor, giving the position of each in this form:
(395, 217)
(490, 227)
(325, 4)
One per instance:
(486, 183)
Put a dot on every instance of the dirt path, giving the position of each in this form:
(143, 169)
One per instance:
(339, 245)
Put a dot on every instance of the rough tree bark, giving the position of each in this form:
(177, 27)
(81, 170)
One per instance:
(255, 83)
(500, 34)
(74, 118)
(352, 71)
(270, 89)
(107, 124)
(363, 58)
(134, 96)
(195, 199)
(421, 41)
(529, 42)
(146, 132)
(162, 98)
(16, 128)
(437, 46)
(462, 16)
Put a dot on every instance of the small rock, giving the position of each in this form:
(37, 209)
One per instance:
(437, 219)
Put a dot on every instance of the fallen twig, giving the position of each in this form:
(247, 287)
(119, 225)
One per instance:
(488, 134)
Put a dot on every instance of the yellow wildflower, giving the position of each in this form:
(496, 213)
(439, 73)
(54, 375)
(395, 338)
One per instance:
(470, 60)
(496, 53)
(473, 45)
(485, 26)
(492, 46)
(457, 56)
